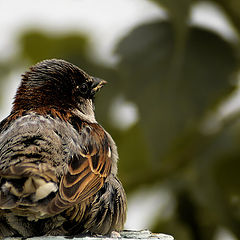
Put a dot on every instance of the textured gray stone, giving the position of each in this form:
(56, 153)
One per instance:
(144, 234)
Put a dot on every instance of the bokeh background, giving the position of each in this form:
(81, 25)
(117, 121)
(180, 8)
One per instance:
(172, 103)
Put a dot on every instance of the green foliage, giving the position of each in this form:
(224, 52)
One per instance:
(178, 76)
(174, 97)
(37, 46)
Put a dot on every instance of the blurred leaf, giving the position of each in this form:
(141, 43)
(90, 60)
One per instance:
(173, 104)
(217, 169)
(38, 46)
(134, 164)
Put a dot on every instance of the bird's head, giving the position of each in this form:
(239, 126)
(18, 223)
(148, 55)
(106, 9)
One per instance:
(57, 84)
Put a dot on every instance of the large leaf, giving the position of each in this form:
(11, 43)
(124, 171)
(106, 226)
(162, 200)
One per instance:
(173, 103)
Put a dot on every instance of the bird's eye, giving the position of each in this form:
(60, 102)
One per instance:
(83, 88)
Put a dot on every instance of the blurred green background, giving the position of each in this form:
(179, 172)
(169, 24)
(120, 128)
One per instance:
(177, 77)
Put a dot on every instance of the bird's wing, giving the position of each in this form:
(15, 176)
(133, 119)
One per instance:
(31, 160)
(87, 169)
(48, 165)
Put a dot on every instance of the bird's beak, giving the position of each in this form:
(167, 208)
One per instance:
(97, 84)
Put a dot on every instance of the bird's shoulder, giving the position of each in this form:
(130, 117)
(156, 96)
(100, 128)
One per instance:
(62, 131)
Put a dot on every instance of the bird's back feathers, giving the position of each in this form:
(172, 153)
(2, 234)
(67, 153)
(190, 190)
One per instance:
(39, 178)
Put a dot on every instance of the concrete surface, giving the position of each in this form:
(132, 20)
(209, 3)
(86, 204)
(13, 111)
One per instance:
(144, 234)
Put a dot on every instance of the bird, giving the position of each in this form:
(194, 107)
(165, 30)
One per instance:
(58, 165)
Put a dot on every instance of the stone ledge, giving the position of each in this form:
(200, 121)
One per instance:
(128, 234)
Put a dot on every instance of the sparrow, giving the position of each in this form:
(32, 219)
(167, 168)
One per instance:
(58, 166)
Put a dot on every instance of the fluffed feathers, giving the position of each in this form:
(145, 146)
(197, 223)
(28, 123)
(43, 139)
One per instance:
(58, 166)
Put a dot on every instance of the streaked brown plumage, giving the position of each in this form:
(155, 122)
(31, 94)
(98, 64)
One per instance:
(58, 166)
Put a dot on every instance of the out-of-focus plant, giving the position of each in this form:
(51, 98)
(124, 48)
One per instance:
(179, 75)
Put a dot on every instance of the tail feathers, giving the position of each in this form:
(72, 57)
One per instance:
(27, 187)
